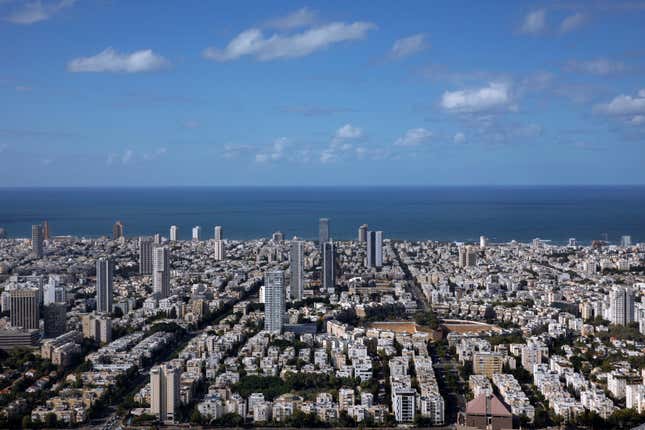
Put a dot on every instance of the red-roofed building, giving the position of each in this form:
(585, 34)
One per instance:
(485, 412)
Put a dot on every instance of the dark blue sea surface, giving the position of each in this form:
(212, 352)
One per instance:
(412, 213)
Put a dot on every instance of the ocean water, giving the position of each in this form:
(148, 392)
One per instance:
(412, 213)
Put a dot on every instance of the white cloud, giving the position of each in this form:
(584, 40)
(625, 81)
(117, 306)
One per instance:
(414, 137)
(348, 131)
(459, 138)
(275, 152)
(110, 60)
(496, 95)
(534, 22)
(637, 120)
(155, 154)
(600, 66)
(408, 46)
(572, 22)
(624, 105)
(31, 12)
(300, 18)
(277, 46)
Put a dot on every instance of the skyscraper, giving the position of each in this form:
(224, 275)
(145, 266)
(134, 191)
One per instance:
(118, 230)
(104, 289)
(362, 233)
(467, 256)
(164, 392)
(219, 251)
(218, 232)
(274, 301)
(323, 232)
(374, 249)
(55, 319)
(296, 267)
(197, 233)
(483, 242)
(37, 240)
(174, 232)
(621, 305)
(25, 309)
(145, 255)
(45, 230)
(626, 241)
(161, 272)
(329, 266)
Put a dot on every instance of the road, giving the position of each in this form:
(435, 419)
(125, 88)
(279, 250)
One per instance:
(414, 287)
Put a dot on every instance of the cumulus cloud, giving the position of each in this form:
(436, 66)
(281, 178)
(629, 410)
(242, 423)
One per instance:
(254, 42)
(534, 22)
(600, 66)
(630, 109)
(110, 60)
(572, 22)
(275, 152)
(409, 45)
(341, 143)
(495, 96)
(158, 152)
(459, 138)
(31, 12)
(414, 137)
(348, 131)
(300, 18)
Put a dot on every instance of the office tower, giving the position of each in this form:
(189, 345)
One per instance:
(626, 241)
(53, 292)
(274, 301)
(277, 236)
(45, 230)
(157, 239)
(145, 255)
(164, 392)
(25, 308)
(174, 233)
(55, 319)
(3, 232)
(118, 230)
(573, 242)
(621, 305)
(323, 232)
(37, 240)
(362, 233)
(197, 233)
(483, 242)
(218, 232)
(329, 269)
(379, 249)
(374, 249)
(219, 253)
(104, 289)
(297, 269)
(161, 272)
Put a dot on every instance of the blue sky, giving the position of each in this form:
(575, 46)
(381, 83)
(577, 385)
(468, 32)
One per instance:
(98, 92)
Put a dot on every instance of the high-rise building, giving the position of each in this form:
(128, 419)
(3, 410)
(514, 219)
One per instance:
(45, 230)
(626, 241)
(37, 240)
(467, 256)
(323, 232)
(374, 249)
(297, 269)
(161, 271)
(277, 236)
(53, 292)
(218, 232)
(219, 251)
(118, 230)
(104, 289)
(487, 363)
(274, 301)
(362, 233)
(3, 232)
(97, 327)
(621, 305)
(329, 266)
(197, 233)
(55, 319)
(157, 239)
(164, 392)
(25, 308)
(573, 242)
(483, 242)
(174, 233)
(145, 255)
(403, 404)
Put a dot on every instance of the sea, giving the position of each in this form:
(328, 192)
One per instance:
(447, 214)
